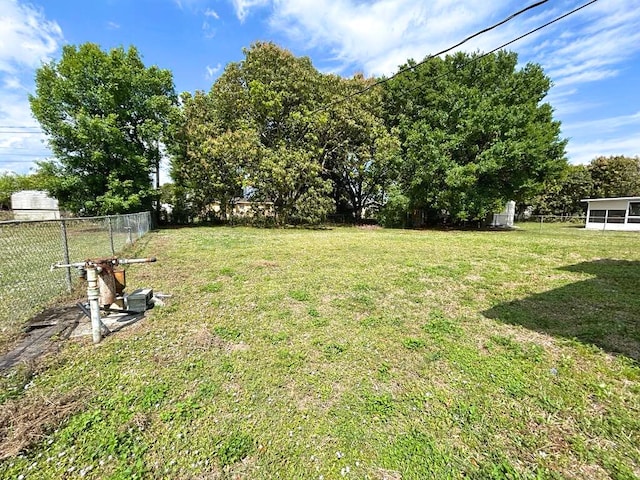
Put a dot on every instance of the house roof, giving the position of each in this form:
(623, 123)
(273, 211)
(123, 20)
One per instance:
(632, 199)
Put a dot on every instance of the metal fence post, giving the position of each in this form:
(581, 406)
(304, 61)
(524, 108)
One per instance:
(113, 250)
(128, 229)
(65, 253)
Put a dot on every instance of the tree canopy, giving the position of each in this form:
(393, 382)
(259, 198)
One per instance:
(475, 133)
(260, 131)
(615, 176)
(562, 195)
(105, 114)
(454, 137)
(603, 177)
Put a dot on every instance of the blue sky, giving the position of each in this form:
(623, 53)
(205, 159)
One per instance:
(593, 57)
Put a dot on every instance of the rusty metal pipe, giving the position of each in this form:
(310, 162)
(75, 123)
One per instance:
(129, 261)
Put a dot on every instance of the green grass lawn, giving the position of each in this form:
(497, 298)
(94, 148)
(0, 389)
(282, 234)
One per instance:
(351, 353)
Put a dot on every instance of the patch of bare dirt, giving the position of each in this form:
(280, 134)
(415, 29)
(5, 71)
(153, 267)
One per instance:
(383, 474)
(203, 339)
(266, 264)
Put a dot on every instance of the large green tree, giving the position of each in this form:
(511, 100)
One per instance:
(475, 133)
(209, 160)
(105, 114)
(360, 154)
(615, 176)
(256, 128)
(562, 195)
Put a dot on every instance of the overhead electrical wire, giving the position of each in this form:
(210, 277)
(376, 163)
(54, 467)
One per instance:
(428, 58)
(506, 44)
(26, 154)
(9, 132)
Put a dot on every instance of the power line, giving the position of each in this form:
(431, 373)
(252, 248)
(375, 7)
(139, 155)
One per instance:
(11, 162)
(530, 32)
(27, 154)
(14, 148)
(22, 132)
(412, 67)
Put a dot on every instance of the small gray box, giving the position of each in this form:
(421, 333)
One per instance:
(139, 300)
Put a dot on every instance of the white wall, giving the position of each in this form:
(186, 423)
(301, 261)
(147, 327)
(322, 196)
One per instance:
(34, 205)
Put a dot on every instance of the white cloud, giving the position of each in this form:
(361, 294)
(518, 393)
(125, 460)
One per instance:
(242, 7)
(27, 39)
(595, 47)
(207, 30)
(587, 151)
(211, 13)
(26, 36)
(212, 71)
(113, 25)
(379, 35)
(604, 125)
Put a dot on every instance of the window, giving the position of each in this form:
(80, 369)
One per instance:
(616, 216)
(634, 212)
(597, 216)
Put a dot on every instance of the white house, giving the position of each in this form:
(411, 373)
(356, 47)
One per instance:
(621, 213)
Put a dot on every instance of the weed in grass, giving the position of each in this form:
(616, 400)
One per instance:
(300, 295)
(152, 396)
(414, 343)
(181, 411)
(516, 350)
(234, 447)
(384, 371)
(320, 322)
(438, 325)
(361, 287)
(379, 405)
(277, 337)
(372, 321)
(227, 272)
(333, 350)
(290, 359)
(207, 390)
(226, 366)
(417, 455)
(211, 287)
(313, 312)
(225, 333)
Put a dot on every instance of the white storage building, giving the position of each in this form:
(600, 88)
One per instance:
(34, 205)
(621, 213)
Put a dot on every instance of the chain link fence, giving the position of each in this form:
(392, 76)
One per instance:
(29, 248)
(541, 220)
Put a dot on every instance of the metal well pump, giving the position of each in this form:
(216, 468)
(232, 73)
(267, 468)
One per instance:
(103, 283)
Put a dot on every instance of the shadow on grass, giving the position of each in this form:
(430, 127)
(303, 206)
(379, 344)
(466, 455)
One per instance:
(602, 311)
